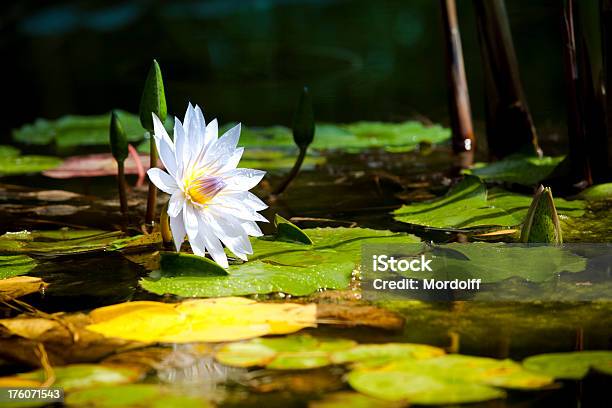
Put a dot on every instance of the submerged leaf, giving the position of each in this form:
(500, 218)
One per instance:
(285, 267)
(344, 399)
(469, 205)
(79, 376)
(205, 320)
(134, 395)
(59, 242)
(18, 286)
(13, 265)
(571, 365)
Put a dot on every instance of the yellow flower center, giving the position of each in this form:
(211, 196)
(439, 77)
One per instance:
(200, 189)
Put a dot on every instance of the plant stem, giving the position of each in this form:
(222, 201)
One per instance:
(122, 189)
(458, 97)
(152, 196)
(164, 226)
(293, 173)
(510, 128)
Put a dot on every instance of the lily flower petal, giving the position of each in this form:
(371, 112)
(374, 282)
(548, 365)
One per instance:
(162, 180)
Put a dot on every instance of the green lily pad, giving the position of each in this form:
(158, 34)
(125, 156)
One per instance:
(525, 170)
(482, 370)
(283, 353)
(598, 192)
(79, 376)
(59, 242)
(385, 353)
(420, 389)
(345, 399)
(469, 205)
(27, 164)
(8, 151)
(276, 266)
(135, 395)
(73, 130)
(289, 232)
(14, 265)
(572, 365)
(494, 262)
(352, 137)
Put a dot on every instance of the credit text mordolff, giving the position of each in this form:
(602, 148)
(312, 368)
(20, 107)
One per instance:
(427, 284)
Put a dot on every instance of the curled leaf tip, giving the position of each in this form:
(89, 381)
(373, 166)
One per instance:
(303, 122)
(118, 138)
(153, 98)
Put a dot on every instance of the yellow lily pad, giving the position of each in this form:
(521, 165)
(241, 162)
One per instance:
(201, 320)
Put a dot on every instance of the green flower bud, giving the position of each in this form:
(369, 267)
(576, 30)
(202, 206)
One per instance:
(118, 139)
(542, 222)
(153, 98)
(303, 121)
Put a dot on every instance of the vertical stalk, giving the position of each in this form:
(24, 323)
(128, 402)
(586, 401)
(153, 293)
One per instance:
(578, 160)
(121, 185)
(606, 34)
(510, 128)
(463, 140)
(293, 173)
(152, 192)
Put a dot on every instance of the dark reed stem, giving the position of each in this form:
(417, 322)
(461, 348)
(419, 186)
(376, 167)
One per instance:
(463, 139)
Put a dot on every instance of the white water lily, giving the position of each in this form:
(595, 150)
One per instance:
(210, 201)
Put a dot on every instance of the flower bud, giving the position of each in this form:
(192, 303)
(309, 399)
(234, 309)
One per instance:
(118, 139)
(303, 121)
(153, 99)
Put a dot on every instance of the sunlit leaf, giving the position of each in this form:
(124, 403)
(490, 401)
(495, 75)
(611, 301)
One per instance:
(469, 205)
(525, 170)
(276, 266)
(571, 365)
(27, 164)
(205, 320)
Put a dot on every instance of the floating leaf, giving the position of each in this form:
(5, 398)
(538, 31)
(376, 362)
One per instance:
(206, 320)
(79, 376)
(18, 286)
(8, 151)
(27, 164)
(345, 399)
(571, 365)
(286, 267)
(94, 165)
(598, 192)
(285, 353)
(191, 264)
(75, 130)
(494, 262)
(13, 265)
(134, 395)
(468, 205)
(385, 353)
(519, 169)
(60, 242)
(420, 389)
(289, 232)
